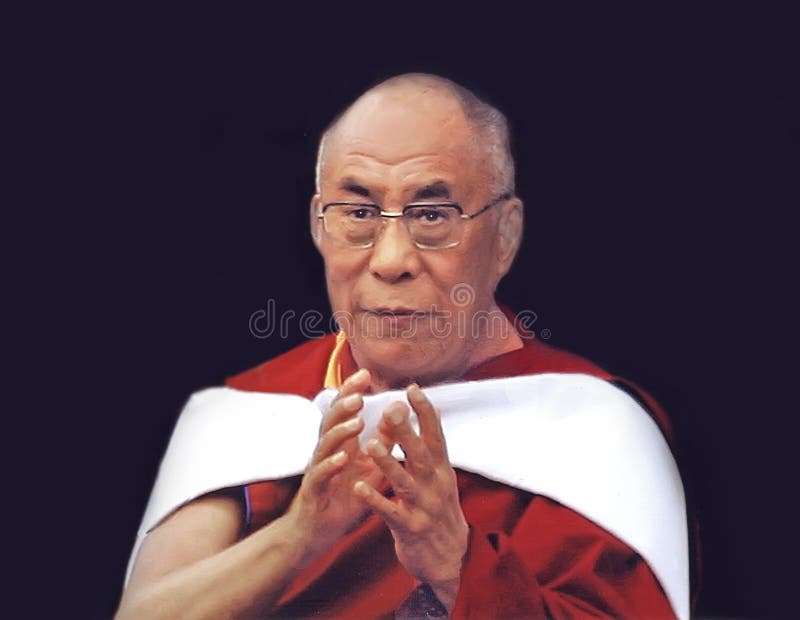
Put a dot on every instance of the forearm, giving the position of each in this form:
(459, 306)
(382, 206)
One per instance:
(241, 581)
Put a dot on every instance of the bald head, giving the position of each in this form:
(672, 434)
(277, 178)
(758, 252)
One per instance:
(433, 96)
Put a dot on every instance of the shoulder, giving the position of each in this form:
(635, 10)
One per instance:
(551, 359)
(300, 370)
(547, 358)
(538, 357)
(564, 361)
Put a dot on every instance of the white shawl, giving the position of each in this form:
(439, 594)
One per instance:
(571, 437)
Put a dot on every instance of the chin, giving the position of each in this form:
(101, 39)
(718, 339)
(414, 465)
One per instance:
(401, 357)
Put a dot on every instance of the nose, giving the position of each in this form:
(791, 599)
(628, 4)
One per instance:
(394, 257)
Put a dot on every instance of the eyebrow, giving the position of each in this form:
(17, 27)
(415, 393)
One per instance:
(439, 189)
(349, 184)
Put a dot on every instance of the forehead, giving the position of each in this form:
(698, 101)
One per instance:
(397, 141)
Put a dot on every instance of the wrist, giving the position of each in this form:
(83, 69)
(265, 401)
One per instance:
(446, 585)
(300, 546)
(446, 592)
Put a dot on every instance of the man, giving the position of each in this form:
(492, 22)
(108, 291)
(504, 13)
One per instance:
(417, 222)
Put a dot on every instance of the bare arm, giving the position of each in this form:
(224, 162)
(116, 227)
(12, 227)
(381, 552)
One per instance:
(193, 565)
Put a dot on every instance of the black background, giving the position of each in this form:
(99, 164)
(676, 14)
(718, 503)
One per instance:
(173, 155)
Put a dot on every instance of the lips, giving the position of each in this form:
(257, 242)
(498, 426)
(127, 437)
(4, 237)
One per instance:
(396, 321)
(395, 312)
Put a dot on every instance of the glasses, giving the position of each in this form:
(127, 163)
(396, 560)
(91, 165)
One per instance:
(431, 225)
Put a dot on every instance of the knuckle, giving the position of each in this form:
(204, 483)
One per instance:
(404, 484)
(425, 470)
(419, 524)
(436, 505)
(406, 492)
(393, 511)
(446, 477)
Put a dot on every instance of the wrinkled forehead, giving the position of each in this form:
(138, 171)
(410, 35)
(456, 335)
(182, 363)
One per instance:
(400, 136)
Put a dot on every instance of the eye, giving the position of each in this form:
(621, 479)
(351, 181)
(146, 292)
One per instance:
(361, 213)
(431, 215)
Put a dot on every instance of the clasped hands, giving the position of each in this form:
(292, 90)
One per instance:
(341, 486)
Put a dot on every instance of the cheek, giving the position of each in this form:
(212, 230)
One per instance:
(462, 275)
(342, 270)
(483, 259)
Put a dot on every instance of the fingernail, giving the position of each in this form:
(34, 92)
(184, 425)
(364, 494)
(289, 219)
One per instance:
(415, 393)
(352, 401)
(396, 415)
(361, 488)
(358, 375)
(339, 457)
(376, 448)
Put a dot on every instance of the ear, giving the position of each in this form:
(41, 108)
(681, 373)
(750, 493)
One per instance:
(509, 233)
(315, 224)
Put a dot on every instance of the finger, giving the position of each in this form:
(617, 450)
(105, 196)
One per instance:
(391, 512)
(430, 426)
(401, 481)
(320, 474)
(333, 439)
(357, 382)
(396, 425)
(341, 410)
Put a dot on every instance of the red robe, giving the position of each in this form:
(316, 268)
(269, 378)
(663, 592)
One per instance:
(528, 556)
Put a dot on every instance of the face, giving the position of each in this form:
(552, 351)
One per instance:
(410, 313)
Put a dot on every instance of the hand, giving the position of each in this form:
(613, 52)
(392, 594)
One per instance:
(425, 516)
(324, 508)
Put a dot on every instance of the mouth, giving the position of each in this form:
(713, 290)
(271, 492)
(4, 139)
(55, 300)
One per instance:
(395, 312)
(396, 321)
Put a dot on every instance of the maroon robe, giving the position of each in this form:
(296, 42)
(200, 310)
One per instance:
(528, 555)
